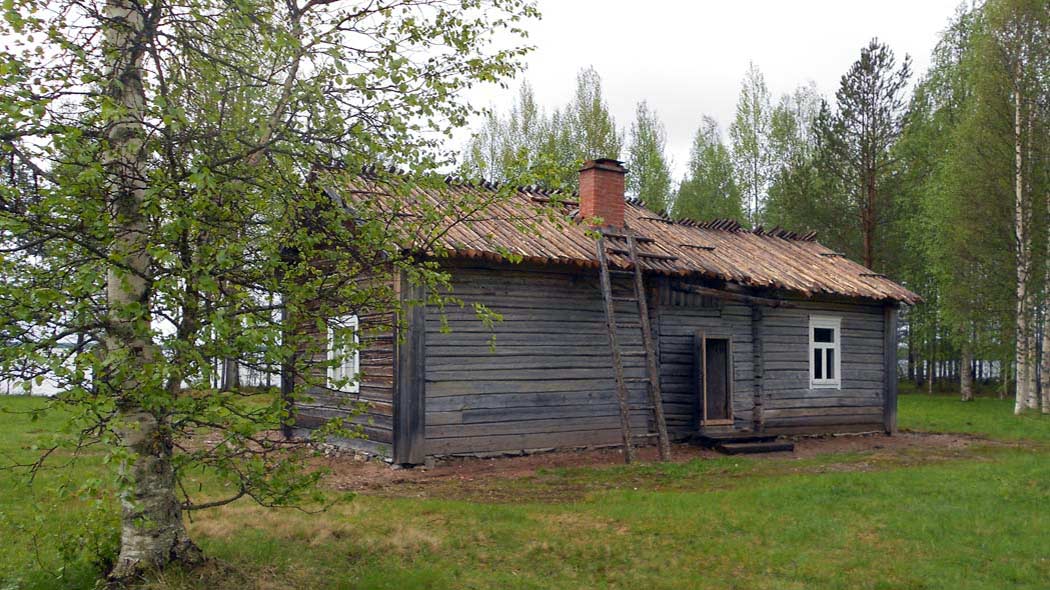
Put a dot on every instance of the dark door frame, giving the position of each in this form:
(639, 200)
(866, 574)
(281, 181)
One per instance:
(702, 336)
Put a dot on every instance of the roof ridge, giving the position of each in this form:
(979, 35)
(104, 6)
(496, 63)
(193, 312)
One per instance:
(723, 224)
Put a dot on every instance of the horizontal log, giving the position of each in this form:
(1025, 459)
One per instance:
(534, 412)
(731, 296)
(873, 412)
(518, 374)
(821, 401)
(824, 420)
(523, 442)
(442, 388)
(824, 428)
(552, 363)
(456, 403)
(547, 427)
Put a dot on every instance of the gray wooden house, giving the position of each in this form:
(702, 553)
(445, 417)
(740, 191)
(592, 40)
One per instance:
(752, 330)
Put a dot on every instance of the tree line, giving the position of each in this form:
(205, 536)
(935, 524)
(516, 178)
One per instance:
(940, 182)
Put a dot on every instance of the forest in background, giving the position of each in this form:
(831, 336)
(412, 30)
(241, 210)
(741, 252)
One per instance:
(940, 181)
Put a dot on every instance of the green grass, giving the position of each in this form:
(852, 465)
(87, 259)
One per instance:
(966, 519)
(985, 416)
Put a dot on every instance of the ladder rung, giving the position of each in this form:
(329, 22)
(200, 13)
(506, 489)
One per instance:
(649, 407)
(634, 353)
(615, 250)
(631, 299)
(629, 325)
(623, 273)
(645, 435)
(635, 379)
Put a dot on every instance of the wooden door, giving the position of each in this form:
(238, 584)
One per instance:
(715, 380)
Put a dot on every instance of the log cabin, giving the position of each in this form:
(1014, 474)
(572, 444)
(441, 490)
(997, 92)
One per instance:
(750, 331)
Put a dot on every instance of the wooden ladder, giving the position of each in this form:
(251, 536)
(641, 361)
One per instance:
(626, 246)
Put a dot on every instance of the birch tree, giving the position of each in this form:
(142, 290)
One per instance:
(709, 190)
(1019, 32)
(181, 151)
(649, 172)
(526, 145)
(749, 135)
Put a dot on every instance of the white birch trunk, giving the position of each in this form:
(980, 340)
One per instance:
(152, 531)
(966, 372)
(1023, 240)
(1045, 368)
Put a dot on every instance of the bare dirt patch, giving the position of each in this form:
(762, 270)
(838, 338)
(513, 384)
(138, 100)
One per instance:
(530, 477)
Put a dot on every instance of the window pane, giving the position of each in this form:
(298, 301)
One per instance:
(831, 363)
(818, 370)
(823, 334)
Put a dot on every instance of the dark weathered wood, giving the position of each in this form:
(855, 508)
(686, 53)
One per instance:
(540, 369)
(716, 379)
(409, 394)
(614, 346)
(889, 418)
(731, 296)
(758, 364)
(652, 363)
(287, 380)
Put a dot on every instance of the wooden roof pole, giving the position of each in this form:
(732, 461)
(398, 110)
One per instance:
(720, 294)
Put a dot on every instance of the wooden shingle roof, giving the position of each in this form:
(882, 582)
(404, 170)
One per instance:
(522, 223)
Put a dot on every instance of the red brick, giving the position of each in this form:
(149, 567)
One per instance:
(602, 190)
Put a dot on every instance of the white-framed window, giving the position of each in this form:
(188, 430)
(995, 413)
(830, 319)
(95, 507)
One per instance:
(343, 350)
(825, 352)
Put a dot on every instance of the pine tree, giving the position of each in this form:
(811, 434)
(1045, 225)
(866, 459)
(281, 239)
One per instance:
(709, 190)
(856, 139)
(649, 177)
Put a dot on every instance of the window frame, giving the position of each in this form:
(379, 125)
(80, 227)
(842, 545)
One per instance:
(351, 361)
(835, 324)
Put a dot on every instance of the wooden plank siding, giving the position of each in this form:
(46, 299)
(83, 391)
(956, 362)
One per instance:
(540, 378)
(410, 372)
(678, 327)
(790, 405)
(372, 407)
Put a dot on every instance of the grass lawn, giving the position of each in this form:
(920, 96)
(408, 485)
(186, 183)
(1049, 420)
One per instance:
(974, 517)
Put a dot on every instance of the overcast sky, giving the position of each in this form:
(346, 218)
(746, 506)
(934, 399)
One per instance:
(687, 58)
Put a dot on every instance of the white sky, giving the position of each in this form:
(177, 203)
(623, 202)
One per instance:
(688, 58)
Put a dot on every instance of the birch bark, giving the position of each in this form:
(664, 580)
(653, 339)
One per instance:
(152, 529)
(1045, 368)
(1022, 215)
(966, 372)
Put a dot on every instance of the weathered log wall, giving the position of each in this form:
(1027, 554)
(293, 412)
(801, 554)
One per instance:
(678, 327)
(371, 409)
(790, 404)
(540, 378)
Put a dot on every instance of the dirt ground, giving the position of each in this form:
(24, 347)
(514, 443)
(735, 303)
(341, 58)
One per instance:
(493, 478)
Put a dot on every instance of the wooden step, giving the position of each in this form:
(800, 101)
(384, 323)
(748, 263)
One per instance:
(751, 448)
(713, 439)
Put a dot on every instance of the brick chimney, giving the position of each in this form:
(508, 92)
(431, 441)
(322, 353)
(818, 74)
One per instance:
(601, 191)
